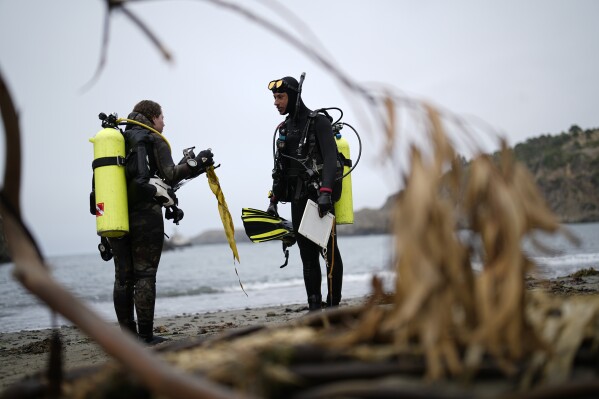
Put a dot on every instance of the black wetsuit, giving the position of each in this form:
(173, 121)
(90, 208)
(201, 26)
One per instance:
(137, 255)
(289, 185)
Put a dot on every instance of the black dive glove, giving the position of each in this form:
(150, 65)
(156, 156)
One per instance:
(200, 162)
(205, 159)
(272, 209)
(105, 249)
(325, 204)
(174, 213)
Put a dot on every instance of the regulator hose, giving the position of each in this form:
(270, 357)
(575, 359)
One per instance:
(125, 121)
(333, 124)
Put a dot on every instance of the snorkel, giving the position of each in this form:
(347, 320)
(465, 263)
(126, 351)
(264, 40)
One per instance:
(299, 97)
(295, 116)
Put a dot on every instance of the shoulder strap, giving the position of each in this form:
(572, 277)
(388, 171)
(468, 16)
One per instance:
(308, 133)
(311, 135)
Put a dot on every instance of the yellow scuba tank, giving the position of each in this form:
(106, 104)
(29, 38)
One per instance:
(110, 185)
(344, 207)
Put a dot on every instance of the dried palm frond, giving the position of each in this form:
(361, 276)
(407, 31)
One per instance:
(443, 319)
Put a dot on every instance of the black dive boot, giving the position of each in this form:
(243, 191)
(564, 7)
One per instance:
(123, 306)
(314, 303)
(331, 304)
(146, 334)
(128, 325)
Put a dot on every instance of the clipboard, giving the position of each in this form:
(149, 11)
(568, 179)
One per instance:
(315, 228)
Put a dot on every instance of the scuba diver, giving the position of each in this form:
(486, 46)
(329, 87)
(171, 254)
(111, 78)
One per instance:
(150, 175)
(307, 167)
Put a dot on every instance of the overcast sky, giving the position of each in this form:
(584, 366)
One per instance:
(525, 68)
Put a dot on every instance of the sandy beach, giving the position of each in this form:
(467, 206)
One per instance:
(25, 354)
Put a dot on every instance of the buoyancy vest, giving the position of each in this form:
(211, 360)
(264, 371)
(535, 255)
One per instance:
(299, 169)
(140, 164)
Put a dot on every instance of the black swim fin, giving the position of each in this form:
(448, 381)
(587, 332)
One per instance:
(261, 226)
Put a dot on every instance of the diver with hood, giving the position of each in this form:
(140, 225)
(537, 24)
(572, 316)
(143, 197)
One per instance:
(150, 172)
(305, 168)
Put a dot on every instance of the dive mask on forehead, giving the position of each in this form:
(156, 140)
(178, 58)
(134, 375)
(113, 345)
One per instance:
(280, 86)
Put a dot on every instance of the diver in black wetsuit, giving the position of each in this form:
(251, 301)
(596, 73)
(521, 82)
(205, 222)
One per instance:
(137, 255)
(305, 168)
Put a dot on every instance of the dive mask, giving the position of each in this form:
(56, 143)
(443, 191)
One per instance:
(280, 85)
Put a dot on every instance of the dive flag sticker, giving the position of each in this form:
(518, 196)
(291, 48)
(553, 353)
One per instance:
(99, 209)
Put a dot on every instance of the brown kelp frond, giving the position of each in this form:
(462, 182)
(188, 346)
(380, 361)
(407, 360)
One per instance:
(223, 210)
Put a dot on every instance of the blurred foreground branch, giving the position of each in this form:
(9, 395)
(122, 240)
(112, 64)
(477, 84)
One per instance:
(444, 313)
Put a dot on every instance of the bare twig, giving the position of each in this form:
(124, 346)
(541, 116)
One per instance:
(119, 4)
(103, 50)
(153, 38)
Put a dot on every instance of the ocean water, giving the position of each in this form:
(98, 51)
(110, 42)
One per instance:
(204, 278)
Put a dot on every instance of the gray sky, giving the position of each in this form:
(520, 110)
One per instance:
(525, 68)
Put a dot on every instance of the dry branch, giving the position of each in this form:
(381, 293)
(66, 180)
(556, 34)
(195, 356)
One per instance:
(452, 320)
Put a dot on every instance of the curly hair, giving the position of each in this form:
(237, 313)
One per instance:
(148, 108)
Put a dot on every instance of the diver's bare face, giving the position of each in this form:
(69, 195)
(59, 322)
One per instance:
(281, 101)
(158, 122)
